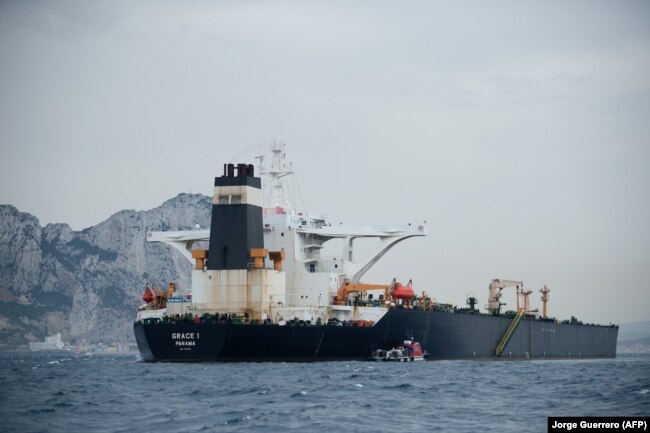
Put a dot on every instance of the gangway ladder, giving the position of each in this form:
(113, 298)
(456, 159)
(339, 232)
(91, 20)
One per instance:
(509, 332)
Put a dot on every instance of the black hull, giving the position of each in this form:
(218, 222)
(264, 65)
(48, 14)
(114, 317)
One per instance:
(443, 335)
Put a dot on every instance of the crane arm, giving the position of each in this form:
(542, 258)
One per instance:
(502, 284)
(346, 289)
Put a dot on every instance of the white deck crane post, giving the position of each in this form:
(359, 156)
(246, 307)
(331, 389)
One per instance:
(496, 286)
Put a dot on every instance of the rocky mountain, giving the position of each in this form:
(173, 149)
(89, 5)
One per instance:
(87, 284)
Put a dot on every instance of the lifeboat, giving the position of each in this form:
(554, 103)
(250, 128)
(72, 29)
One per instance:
(154, 297)
(403, 292)
(147, 295)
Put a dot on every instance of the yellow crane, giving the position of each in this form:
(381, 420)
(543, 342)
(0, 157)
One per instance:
(361, 288)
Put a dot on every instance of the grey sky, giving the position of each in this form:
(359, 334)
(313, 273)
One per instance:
(519, 130)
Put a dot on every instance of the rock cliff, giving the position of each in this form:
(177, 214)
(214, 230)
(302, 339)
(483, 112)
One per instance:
(87, 284)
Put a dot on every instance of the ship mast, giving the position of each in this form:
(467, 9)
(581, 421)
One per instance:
(525, 294)
(544, 291)
(279, 168)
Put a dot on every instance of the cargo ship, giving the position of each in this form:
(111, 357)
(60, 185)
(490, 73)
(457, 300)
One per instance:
(265, 290)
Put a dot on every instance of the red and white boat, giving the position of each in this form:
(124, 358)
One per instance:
(409, 351)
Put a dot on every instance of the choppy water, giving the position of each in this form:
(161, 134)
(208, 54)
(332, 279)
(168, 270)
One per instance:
(55, 393)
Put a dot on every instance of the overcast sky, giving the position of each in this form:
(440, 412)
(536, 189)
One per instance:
(519, 130)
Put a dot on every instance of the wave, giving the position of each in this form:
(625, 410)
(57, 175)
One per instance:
(107, 394)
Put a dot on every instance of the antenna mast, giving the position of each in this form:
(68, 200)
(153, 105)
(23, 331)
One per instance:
(280, 168)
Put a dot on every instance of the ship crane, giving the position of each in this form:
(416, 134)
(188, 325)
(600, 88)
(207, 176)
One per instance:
(496, 286)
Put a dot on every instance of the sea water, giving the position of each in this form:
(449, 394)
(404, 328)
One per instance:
(111, 393)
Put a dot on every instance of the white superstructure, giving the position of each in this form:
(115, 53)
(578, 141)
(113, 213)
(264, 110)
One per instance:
(311, 280)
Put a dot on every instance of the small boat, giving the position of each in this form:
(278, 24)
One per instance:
(409, 351)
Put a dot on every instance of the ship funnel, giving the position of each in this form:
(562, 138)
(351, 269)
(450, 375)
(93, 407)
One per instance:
(236, 225)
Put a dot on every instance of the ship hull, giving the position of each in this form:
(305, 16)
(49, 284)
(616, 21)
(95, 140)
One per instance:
(443, 335)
